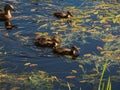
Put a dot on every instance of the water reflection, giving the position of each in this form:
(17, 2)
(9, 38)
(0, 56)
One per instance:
(8, 25)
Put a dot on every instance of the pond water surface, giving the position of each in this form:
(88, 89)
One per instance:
(35, 16)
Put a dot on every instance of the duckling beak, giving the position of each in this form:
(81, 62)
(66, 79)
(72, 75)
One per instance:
(13, 10)
(78, 48)
(71, 15)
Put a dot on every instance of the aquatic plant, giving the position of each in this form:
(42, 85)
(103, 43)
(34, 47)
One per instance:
(37, 80)
(102, 85)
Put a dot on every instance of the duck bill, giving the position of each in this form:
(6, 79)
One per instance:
(13, 10)
(71, 15)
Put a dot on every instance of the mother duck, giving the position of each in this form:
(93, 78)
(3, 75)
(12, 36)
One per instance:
(5, 14)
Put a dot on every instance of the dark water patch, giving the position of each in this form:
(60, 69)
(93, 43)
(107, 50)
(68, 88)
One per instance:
(91, 47)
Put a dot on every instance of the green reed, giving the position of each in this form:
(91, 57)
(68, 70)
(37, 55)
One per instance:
(108, 87)
(101, 85)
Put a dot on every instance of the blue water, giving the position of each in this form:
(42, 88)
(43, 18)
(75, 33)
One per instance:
(20, 48)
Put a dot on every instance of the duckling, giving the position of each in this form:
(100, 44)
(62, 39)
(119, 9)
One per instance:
(62, 15)
(5, 14)
(47, 38)
(45, 42)
(67, 51)
(56, 39)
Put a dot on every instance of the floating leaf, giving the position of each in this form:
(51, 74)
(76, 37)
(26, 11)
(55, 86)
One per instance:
(44, 25)
(52, 28)
(117, 58)
(29, 78)
(99, 48)
(87, 55)
(117, 51)
(42, 34)
(100, 16)
(107, 26)
(96, 12)
(74, 71)
(33, 10)
(116, 19)
(15, 88)
(88, 20)
(26, 64)
(90, 75)
(3, 75)
(81, 66)
(87, 16)
(54, 78)
(99, 6)
(109, 38)
(83, 81)
(108, 54)
(6, 34)
(20, 79)
(103, 21)
(70, 77)
(33, 65)
(107, 29)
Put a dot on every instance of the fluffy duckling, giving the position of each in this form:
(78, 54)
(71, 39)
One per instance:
(56, 39)
(73, 51)
(62, 15)
(5, 14)
(46, 42)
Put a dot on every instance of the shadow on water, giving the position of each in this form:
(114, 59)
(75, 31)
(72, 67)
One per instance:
(17, 46)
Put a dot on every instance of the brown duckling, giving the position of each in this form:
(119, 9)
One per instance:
(47, 38)
(67, 51)
(5, 14)
(45, 42)
(63, 15)
(56, 39)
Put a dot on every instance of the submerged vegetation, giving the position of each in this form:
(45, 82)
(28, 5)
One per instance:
(93, 28)
(33, 80)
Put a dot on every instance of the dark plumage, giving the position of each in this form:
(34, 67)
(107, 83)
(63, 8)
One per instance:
(56, 39)
(5, 14)
(62, 15)
(73, 51)
(46, 41)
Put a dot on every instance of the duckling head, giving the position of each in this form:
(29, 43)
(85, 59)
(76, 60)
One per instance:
(9, 7)
(55, 45)
(74, 50)
(69, 14)
(56, 39)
